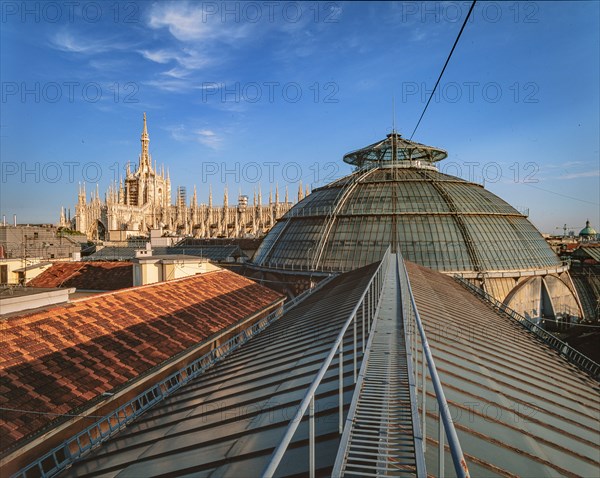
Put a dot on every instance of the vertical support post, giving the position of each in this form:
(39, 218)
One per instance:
(373, 299)
(415, 355)
(440, 444)
(364, 339)
(416, 370)
(424, 400)
(355, 349)
(369, 309)
(341, 388)
(311, 438)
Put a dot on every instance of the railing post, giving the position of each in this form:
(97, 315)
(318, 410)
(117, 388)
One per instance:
(355, 349)
(369, 310)
(341, 388)
(311, 438)
(424, 395)
(373, 300)
(414, 349)
(364, 339)
(440, 443)
(416, 373)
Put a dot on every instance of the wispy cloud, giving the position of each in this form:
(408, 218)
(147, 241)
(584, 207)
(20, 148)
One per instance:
(193, 22)
(158, 56)
(67, 41)
(208, 138)
(178, 73)
(584, 174)
(562, 165)
(172, 84)
(204, 136)
(188, 58)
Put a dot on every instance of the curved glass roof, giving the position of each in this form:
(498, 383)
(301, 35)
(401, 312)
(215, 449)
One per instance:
(436, 220)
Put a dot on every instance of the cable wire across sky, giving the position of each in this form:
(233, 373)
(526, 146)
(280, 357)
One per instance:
(444, 68)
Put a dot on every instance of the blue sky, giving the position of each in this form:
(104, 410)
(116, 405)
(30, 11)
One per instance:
(252, 94)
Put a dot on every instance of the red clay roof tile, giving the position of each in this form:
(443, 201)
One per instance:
(61, 358)
(86, 275)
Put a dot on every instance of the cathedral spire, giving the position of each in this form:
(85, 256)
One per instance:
(194, 202)
(145, 164)
(210, 196)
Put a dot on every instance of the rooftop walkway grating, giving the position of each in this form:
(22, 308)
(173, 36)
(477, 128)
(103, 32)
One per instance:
(381, 438)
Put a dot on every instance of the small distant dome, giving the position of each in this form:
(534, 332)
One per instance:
(587, 230)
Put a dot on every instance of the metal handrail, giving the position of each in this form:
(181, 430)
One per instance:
(411, 314)
(420, 467)
(413, 379)
(572, 355)
(66, 453)
(307, 403)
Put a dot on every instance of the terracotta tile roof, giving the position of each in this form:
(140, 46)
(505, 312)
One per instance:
(58, 359)
(86, 275)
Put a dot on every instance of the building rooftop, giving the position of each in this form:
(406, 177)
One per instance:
(588, 251)
(60, 359)
(215, 253)
(14, 299)
(86, 275)
(227, 422)
(519, 408)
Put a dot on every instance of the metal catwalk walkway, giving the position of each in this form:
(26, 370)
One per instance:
(380, 438)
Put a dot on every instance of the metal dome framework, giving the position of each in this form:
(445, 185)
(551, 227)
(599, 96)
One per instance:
(397, 197)
(394, 148)
(436, 220)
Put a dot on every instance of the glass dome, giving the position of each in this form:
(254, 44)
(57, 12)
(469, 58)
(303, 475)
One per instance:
(397, 196)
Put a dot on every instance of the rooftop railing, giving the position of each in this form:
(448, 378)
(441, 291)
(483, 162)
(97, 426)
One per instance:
(417, 344)
(366, 308)
(572, 355)
(372, 443)
(369, 303)
(60, 457)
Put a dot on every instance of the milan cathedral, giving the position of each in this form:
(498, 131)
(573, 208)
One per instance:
(143, 201)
